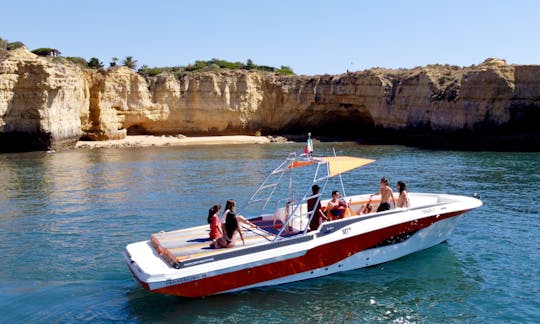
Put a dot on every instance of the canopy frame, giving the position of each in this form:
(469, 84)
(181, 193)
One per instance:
(325, 168)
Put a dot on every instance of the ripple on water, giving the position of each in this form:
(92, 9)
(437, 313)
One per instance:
(66, 218)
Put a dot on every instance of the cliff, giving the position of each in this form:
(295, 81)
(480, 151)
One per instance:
(40, 102)
(44, 104)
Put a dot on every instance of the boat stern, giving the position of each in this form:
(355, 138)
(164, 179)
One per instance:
(135, 270)
(146, 265)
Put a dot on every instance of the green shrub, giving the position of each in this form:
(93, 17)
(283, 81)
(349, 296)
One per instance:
(199, 65)
(149, 72)
(266, 68)
(94, 63)
(15, 45)
(146, 71)
(45, 51)
(213, 65)
(285, 70)
(78, 61)
(225, 64)
(154, 71)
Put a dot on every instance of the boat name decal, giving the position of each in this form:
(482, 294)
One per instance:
(428, 210)
(172, 282)
(346, 230)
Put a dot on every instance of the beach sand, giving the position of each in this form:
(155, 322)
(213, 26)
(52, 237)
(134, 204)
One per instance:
(149, 140)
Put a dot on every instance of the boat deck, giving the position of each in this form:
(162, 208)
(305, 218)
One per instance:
(181, 245)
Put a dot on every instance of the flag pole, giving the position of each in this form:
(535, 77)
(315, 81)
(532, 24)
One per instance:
(340, 178)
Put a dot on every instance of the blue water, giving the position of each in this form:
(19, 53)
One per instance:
(66, 217)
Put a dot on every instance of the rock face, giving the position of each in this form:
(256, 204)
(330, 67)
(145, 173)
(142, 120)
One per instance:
(120, 99)
(53, 104)
(40, 102)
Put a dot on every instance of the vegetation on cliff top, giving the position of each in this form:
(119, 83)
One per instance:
(213, 65)
(9, 46)
(199, 65)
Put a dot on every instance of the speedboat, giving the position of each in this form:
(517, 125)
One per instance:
(282, 248)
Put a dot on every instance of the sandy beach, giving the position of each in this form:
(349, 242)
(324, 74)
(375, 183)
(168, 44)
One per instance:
(149, 140)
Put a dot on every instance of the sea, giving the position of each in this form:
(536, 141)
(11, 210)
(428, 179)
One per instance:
(66, 217)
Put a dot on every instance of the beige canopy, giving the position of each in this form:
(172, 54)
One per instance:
(341, 164)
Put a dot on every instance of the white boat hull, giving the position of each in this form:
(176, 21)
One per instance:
(343, 245)
(422, 240)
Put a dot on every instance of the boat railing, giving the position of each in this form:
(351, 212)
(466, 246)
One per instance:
(287, 208)
(292, 212)
(297, 216)
(267, 188)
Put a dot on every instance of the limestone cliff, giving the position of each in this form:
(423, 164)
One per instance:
(40, 102)
(52, 103)
(120, 99)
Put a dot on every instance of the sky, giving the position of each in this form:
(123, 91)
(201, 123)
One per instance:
(310, 36)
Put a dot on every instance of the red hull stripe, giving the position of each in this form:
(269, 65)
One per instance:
(318, 257)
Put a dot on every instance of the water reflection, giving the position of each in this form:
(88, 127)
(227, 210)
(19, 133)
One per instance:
(24, 189)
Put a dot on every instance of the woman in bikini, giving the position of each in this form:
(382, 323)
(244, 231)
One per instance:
(403, 199)
(231, 225)
(215, 224)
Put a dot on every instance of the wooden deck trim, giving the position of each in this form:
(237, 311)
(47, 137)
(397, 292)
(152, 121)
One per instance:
(170, 255)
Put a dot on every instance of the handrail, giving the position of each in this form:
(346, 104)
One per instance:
(307, 195)
(268, 187)
(280, 171)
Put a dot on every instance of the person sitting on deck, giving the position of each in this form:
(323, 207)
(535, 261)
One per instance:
(215, 224)
(336, 206)
(231, 225)
(403, 199)
(318, 215)
(365, 209)
(386, 194)
(230, 205)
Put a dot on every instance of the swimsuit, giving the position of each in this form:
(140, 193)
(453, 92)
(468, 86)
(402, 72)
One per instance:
(215, 225)
(383, 206)
(231, 224)
(336, 211)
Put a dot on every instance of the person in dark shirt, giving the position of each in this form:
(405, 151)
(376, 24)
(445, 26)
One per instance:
(230, 226)
(314, 203)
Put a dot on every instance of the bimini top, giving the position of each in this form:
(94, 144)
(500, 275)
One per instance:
(336, 164)
(342, 164)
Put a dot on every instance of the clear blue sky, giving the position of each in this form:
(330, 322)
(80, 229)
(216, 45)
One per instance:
(310, 36)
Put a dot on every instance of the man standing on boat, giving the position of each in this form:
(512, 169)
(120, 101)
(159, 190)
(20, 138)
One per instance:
(386, 194)
(314, 203)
